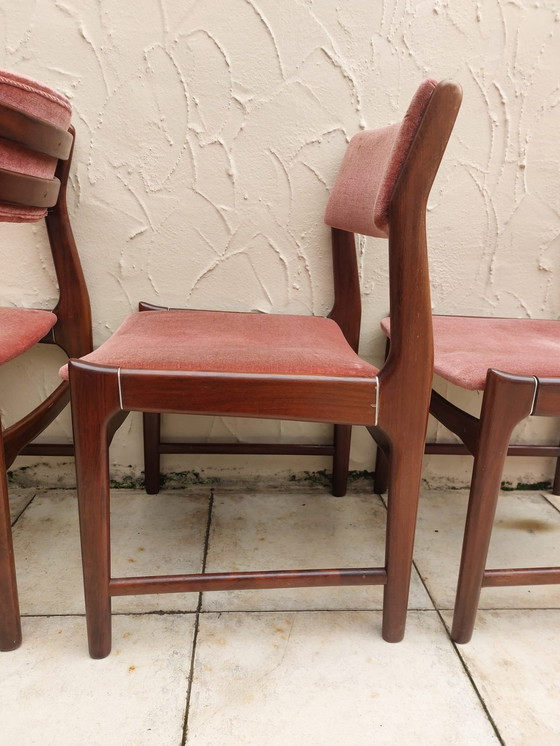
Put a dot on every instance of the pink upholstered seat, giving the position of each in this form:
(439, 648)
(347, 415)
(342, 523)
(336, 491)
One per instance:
(42, 102)
(20, 329)
(222, 341)
(465, 347)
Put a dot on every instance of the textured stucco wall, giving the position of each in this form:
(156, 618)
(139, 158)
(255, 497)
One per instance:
(209, 134)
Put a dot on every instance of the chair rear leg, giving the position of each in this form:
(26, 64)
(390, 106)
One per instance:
(341, 459)
(10, 625)
(507, 401)
(556, 481)
(404, 472)
(152, 435)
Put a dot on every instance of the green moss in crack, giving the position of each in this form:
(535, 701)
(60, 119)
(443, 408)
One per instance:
(127, 482)
(323, 478)
(356, 476)
(178, 479)
(534, 486)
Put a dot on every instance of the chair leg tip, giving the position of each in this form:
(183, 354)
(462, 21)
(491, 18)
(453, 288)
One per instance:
(98, 654)
(461, 638)
(6, 646)
(393, 635)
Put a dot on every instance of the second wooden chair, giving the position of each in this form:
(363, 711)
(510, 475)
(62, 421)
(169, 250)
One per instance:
(286, 367)
(36, 143)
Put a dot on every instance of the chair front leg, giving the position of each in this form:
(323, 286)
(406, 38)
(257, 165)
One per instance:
(94, 402)
(404, 475)
(507, 400)
(10, 625)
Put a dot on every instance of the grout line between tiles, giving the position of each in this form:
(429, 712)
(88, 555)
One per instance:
(462, 662)
(24, 509)
(549, 502)
(197, 622)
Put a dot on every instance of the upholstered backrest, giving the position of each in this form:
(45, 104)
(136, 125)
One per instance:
(360, 198)
(28, 111)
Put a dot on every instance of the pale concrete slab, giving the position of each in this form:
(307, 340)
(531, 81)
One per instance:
(272, 531)
(53, 694)
(326, 678)
(151, 535)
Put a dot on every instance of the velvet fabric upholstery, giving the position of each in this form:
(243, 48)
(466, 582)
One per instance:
(20, 329)
(222, 341)
(42, 102)
(465, 347)
(359, 200)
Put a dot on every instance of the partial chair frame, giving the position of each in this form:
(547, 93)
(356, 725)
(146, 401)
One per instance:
(393, 407)
(455, 421)
(465, 427)
(72, 331)
(507, 400)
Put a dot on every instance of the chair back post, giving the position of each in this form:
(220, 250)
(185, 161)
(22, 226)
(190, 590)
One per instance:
(73, 331)
(347, 307)
(411, 350)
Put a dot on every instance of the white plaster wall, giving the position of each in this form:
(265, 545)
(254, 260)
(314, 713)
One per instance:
(209, 133)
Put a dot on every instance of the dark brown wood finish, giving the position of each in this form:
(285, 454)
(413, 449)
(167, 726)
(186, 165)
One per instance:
(394, 409)
(507, 400)
(10, 627)
(72, 332)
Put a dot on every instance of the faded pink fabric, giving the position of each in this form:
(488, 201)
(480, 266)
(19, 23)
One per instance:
(44, 103)
(20, 329)
(222, 341)
(465, 347)
(359, 200)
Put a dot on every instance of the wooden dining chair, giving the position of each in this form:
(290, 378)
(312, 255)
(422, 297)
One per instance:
(36, 142)
(516, 363)
(286, 367)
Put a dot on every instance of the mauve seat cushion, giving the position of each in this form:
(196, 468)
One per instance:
(221, 341)
(42, 102)
(20, 329)
(465, 347)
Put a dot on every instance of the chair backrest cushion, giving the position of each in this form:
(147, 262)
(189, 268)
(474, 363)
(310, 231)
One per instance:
(359, 201)
(42, 102)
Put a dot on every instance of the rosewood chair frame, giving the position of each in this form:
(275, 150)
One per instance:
(508, 399)
(514, 449)
(393, 407)
(461, 424)
(71, 332)
(456, 425)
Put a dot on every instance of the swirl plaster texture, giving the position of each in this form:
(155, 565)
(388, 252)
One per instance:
(209, 135)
